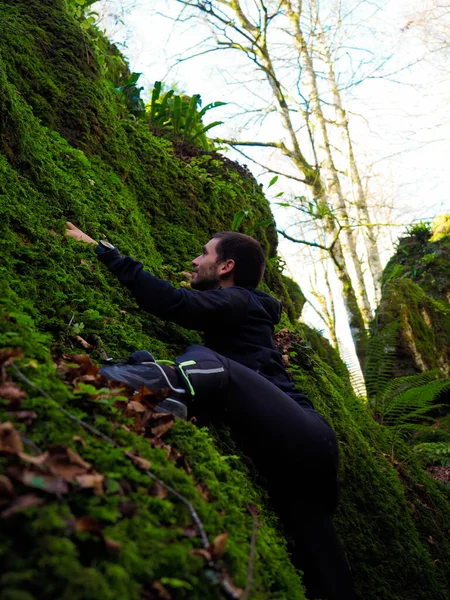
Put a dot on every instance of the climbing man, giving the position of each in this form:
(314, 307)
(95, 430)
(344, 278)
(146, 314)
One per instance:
(240, 375)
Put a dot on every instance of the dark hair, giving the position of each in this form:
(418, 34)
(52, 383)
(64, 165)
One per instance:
(247, 254)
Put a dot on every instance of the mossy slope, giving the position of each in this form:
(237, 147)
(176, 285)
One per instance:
(413, 319)
(65, 154)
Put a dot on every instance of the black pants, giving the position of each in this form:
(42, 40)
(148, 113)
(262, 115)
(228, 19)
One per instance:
(294, 447)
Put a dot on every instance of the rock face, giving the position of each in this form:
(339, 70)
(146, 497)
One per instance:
(411, 329)
(82, 515)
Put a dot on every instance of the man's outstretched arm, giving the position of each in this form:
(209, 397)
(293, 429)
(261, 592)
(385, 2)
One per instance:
(189, 308)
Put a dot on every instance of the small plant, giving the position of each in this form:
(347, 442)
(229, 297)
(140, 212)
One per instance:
(433, 453)
(421, 231)
(405, 405)
(179, 116)
(129, 94)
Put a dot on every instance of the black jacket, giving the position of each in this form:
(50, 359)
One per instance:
(237, 322)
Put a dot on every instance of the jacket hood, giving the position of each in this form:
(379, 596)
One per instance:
(270, 305)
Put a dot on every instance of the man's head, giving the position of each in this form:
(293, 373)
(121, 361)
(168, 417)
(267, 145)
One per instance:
(229, 258)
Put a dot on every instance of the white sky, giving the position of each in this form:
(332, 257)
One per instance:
(400, 125)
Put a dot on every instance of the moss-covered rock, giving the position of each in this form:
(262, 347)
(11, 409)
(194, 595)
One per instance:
(70, 151)
(411, 330)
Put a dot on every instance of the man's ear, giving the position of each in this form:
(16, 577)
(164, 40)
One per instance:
(226, 267)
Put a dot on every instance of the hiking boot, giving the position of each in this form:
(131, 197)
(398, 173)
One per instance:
(159, 379)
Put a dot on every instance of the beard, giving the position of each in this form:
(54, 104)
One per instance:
(205, 282)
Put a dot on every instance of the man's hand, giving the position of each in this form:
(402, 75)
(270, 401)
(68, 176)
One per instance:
(77, 234)
(188, 277)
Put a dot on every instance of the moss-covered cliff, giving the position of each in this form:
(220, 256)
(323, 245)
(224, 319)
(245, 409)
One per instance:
(69, 151)
(412, 323)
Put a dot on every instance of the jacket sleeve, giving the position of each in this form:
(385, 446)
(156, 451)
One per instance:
(189, 308)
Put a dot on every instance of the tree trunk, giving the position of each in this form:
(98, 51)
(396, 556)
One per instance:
(370, 234)
(327, 167)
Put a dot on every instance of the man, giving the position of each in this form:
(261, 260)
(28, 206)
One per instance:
(240, 372)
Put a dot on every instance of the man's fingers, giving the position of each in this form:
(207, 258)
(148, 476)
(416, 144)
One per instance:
(187, 275)
(73, 232)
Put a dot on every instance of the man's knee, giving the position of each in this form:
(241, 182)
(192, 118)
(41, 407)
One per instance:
(205, 370)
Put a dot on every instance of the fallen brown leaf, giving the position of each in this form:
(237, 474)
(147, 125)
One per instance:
(111, 545)
(161, 592)
(79, 440)
(34, 478)
(94, 480)
(91, 525)
(66, 463)
(83, 342)
(190, 532)
(20, 504)
(218, 545)
(8, 356)
(161, 423)
(182, 463)
(205, 554)
(142, 463)
(204, 491)
(135, 407)
(86, 366)
(159, 491)
(26, 416)
(10, 441)
(12, 392)
(6, 490)
(37, 461)
(88, 525)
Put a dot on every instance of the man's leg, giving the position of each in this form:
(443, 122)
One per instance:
(297, 450)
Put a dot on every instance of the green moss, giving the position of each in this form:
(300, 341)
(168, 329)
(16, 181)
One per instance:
(422, 330)
(296, 295)
(66, 154)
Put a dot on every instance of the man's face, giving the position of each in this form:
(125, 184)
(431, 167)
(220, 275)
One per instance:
(206, 268)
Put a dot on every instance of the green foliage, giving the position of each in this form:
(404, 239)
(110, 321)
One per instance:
(129, 94)
(178, 116)
(251, 225)
(421, 231)
(405, 401)
(437, 453)
(295, 294)
(407, 404)
(380, 360)
(66, 154)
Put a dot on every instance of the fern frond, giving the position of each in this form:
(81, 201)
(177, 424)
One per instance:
(414, 403)
(380, 361)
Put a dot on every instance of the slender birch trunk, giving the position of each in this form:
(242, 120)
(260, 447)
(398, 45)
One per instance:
(327, 166)
(359, 312)
(369, 233)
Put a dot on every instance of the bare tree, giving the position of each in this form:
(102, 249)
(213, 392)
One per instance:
(249, 29)
(321, 47)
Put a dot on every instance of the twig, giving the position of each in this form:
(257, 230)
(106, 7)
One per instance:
(98, 433)
(98, 342)
(251, 560)
(30, 443)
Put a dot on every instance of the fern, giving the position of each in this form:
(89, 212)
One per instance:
(380, 361)
(406, 403)
(180, 116)
(408, 399)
